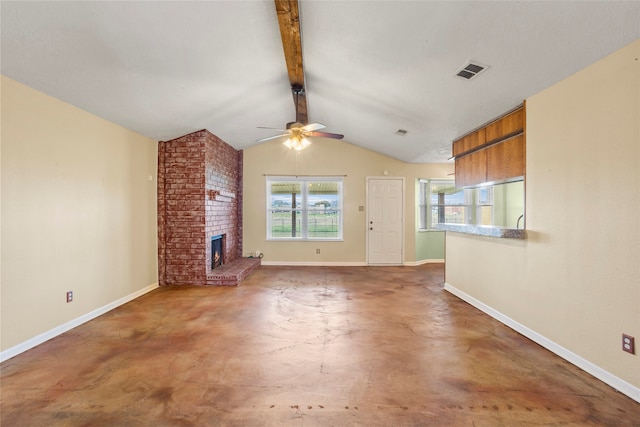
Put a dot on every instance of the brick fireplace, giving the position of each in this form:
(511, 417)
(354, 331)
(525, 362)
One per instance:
(217, 254)
(199, 196)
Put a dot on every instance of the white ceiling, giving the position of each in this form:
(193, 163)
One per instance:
(165, 69)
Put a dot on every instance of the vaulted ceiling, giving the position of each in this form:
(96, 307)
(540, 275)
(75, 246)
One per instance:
(165, 69)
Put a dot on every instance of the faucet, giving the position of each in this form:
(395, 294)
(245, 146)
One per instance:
(518, 223)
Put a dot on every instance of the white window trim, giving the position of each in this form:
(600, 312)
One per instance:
(423, 186)
(425, 196)
(479, 205)
(304, 212)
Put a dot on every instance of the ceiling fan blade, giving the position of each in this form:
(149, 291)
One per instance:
(313, 126)
(326, 135)
(265, 127)
(272, 137)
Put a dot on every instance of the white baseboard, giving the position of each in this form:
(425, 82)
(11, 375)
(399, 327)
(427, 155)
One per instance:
(424, 261)
(346, 264)
(46, 336)
(314, 264)
(608, 378)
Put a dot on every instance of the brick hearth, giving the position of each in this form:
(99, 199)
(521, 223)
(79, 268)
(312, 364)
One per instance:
(233, 273)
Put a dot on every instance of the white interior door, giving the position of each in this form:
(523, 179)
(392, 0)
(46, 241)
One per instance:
(385, 213)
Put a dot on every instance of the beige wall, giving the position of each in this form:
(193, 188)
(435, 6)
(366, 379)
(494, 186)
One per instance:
(576, 279)
(78, 213)
(327, 157)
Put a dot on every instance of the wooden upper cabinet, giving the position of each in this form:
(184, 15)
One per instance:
(471, 169)
(510, 124)
(506, 160)
(493, 153)
(469, 142)
(504, 127)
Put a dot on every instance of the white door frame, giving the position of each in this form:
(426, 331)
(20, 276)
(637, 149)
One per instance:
(368, 179)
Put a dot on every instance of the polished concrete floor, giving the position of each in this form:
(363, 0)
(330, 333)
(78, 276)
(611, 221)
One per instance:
(303, 346)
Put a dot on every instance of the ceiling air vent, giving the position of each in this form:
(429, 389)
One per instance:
(471, 70)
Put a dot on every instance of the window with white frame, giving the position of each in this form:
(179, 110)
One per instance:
(500, 205)
(441, 202)
(304, 208)
(484, 205)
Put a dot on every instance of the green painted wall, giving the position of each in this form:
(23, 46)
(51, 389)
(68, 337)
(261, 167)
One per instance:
(429, 245)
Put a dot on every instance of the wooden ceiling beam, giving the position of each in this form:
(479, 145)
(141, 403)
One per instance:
(289, 21)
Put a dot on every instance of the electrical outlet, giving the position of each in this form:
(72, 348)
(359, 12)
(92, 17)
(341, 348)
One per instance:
(317, 251)
(628, 344)
(69, 296)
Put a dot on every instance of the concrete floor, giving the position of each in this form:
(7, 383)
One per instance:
(304, 346)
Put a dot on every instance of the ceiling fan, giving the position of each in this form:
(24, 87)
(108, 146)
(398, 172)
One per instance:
(297, 132)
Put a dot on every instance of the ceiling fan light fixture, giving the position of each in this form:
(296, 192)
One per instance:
(297, 143)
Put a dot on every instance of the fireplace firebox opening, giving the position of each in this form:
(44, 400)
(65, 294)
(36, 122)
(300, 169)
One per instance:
(217, 251)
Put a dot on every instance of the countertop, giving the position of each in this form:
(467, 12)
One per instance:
(484, 230)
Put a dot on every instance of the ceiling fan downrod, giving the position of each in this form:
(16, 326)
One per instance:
(297, 90)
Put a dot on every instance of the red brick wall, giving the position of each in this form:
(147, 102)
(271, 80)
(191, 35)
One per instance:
(240, 199)
(221, 185)
(199, 177)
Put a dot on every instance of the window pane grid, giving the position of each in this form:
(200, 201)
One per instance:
(282, 223)
(447, 204)
(304, 209)
(448, 214)
(500, 205)
(484, 202)
(323, 224)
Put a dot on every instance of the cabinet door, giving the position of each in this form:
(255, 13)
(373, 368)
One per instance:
(509, 124)
(469, 142)
(506, 159)
(471, 169)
